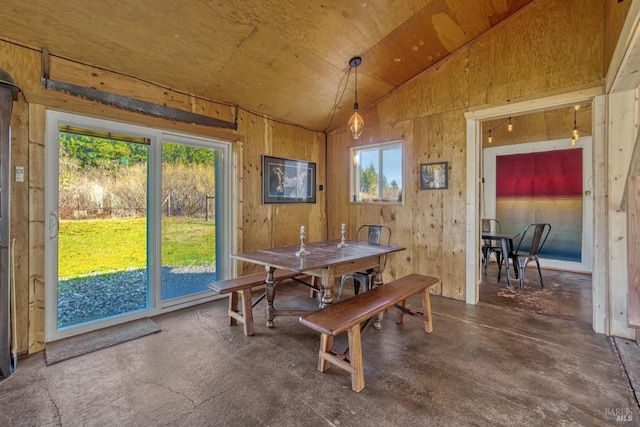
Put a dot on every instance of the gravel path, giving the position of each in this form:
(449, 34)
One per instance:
(95, 297)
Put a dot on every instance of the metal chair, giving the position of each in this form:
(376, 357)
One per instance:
(527, 250)
(491, 246)
(376, 234)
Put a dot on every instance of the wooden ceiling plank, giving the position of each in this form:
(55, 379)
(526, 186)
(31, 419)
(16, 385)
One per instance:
(282, 58)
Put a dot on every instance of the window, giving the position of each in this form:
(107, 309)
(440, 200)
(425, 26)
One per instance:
(377, 173)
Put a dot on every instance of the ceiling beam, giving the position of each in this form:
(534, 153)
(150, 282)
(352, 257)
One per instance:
(136, 105)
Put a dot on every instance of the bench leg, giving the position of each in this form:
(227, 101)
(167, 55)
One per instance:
(355, 358)
(233, 308)
(426, 309)
(246, 315)
(326, 345)
(400, 313)
(426, 312)
(247, 312)
(351, 363)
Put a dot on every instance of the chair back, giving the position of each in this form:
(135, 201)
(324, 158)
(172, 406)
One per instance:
(533, 238)
(491, 224)
(376, 234)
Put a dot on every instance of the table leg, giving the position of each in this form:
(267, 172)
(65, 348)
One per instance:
(328, 280)
(505, 255)
(270, 291)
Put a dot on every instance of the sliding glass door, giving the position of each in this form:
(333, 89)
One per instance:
(189, 210)
(102, 225)
(137, 222)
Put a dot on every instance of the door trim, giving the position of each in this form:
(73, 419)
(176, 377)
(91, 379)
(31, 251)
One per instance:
(474, 176)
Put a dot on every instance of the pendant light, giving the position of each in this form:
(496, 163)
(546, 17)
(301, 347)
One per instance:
(356, 124)
(499, 125)
(575, 135)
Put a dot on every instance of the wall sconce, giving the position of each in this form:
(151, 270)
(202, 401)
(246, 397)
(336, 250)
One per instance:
(356, 124)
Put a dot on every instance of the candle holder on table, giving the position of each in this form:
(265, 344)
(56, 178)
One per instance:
(343, 230)
(303, 251)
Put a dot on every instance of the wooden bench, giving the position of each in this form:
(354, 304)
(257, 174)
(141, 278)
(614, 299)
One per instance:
(355, 314)
(241, 287)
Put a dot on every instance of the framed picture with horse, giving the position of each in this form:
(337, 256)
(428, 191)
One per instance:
(288, 180)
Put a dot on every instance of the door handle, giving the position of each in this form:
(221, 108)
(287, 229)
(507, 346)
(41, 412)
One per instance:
(53, 225)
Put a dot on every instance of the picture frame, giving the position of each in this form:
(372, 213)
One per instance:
(434, 176)
(288, 180)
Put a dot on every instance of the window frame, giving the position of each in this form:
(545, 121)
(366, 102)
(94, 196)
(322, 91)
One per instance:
(354, 171)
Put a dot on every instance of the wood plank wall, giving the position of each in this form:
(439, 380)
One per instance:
(551, 48)
(256, 223)
(633, 251)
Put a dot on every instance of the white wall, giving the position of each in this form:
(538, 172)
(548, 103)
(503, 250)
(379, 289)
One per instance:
(622, 122)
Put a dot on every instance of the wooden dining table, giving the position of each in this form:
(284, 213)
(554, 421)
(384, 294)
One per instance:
(506, 243)
(325, 260)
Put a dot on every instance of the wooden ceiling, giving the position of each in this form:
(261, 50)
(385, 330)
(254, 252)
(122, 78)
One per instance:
(540, 126)
(287, 59)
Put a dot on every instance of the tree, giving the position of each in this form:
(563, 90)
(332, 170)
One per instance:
(369, 180)
(187, 155)
(94, 152)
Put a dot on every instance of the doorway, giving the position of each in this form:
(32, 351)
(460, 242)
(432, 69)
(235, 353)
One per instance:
(474, 177)
(138, 222)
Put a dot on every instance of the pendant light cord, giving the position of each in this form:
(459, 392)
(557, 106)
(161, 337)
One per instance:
(339, 96)
(356, 103)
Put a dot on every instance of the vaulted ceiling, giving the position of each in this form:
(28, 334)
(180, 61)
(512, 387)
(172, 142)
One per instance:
(287, 59)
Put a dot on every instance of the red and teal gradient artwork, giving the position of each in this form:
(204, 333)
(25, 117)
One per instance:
(543, 187)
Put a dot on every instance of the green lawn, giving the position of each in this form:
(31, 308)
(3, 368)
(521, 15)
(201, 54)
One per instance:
(110, 245)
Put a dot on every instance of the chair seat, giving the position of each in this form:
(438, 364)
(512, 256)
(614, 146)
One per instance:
(376, 234)
(533, 237)
(360, 279)
(493, 248)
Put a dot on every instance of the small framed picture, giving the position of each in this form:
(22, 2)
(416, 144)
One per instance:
(288, 181)
(434, 176)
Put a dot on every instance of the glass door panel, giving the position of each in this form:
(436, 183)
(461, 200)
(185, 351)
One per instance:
(102, 226)
(189, 212)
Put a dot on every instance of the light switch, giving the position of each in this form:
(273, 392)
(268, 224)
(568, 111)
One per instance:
(19, 173)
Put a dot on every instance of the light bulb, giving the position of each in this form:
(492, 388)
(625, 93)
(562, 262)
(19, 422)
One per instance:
(575, 135)
(510, 127)
(490, 138)
(356, 125)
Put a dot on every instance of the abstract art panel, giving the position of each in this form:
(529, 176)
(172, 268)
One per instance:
(543, 187)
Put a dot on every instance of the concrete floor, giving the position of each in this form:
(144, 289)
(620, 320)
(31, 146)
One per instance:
(565, 294)
(483, 365)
